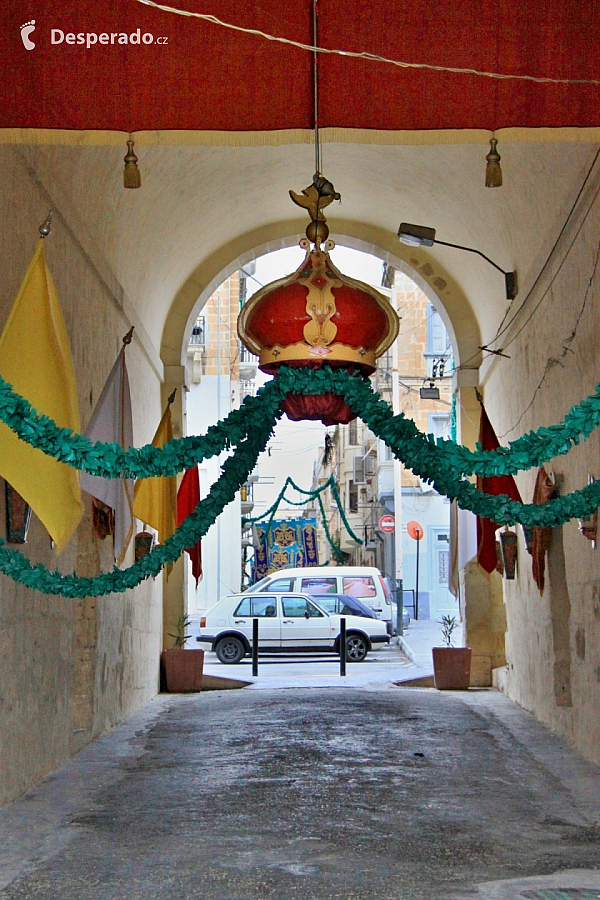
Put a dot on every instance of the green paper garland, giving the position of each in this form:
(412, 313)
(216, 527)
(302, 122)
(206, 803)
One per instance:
(235, 471)
(111, 461)
(416, 449)
(289, 482)
(443, 463)
(316, 493)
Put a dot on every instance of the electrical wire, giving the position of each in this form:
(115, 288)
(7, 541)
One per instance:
(554, 361)
(562, 231)
(374, 57)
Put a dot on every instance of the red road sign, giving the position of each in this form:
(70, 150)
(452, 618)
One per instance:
(415, 530)
(387, 523)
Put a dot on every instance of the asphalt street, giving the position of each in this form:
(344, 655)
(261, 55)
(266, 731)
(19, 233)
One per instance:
(315, 793)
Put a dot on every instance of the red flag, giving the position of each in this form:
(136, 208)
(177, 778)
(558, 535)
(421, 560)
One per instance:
(188, 497)
(498, 484)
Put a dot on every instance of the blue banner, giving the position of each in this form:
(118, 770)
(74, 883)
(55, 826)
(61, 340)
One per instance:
(290, 543)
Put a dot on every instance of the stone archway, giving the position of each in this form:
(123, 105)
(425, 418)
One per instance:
(435, 282)
(444, 292)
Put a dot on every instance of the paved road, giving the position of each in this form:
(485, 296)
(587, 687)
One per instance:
(382, 666)
(319, 794)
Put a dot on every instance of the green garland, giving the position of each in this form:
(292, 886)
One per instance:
(417, 450)
(336, 550)
(310, 495)
(235, 472)
(443, 463)
(111, 461)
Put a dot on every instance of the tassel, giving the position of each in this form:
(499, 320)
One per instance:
(493, 172)
(131, 173)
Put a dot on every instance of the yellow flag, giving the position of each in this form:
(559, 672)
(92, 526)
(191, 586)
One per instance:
(36, 360)
(155, 499)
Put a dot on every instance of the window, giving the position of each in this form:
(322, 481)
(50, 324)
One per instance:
(437, 337)
(438, 344)
(384, 452)
(359, 470)
(328, 603)
(352, 497)
(257, 607)
(439, 425)
(281, 584)
(299, 607)
(353, 433)
(358, 586)
(318, 585)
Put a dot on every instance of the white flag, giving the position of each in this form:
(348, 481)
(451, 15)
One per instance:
(112, 423)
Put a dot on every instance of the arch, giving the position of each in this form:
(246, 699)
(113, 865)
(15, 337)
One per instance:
(440, 288)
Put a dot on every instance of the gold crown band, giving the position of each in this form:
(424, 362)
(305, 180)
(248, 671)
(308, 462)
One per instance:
(306, 353)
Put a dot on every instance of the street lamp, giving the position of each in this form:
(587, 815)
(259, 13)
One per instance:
(421, 235)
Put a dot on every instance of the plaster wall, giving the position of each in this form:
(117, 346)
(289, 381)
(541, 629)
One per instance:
(552, 640)
(70, 668)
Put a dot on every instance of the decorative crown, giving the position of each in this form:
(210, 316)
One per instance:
(317, 315)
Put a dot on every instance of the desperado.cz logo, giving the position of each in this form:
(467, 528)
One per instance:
(89, 38)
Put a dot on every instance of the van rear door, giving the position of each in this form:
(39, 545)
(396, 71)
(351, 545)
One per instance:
(364, 588)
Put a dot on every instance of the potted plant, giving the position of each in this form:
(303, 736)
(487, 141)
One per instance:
(451, 665)
(183, 668)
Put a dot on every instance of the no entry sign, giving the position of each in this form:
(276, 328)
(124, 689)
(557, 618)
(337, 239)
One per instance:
(387, 523)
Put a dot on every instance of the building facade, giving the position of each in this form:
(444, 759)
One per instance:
(220, 373)
(370, 478)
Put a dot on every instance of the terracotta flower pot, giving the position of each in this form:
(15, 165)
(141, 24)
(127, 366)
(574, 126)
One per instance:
(183, 670)
(452, 668)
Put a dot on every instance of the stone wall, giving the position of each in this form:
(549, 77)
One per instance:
(553, 639)
(70, 668)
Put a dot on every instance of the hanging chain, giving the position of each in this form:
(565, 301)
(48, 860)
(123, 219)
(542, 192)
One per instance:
(316, 89)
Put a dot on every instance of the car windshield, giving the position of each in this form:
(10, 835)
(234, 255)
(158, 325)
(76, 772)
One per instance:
(316, 601)
(326, 602)
(259, 584)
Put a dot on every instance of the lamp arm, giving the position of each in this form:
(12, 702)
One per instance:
(472, 250)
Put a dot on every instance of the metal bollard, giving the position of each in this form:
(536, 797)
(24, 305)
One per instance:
(254, 648)
(399, 608)
(342, 646)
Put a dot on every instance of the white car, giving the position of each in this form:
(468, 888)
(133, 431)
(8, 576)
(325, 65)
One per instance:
(287, 623)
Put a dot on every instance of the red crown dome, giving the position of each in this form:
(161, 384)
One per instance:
(316, 316)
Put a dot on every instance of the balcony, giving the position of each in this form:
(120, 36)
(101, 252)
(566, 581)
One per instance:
(247, 499)
(198, 335)
(356, 523)
(248, 364)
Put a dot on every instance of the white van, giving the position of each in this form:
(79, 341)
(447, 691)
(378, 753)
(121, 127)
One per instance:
(364, 582)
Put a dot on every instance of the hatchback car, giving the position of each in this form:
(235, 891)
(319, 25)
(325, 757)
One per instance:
(344, 605)
(287, 622)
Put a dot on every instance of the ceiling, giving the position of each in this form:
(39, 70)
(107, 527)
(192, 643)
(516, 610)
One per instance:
(201, 210)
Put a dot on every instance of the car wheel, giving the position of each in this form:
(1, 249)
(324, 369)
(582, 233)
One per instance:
(230, 650)
(356, 648)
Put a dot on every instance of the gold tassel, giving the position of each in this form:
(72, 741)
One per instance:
(493, 171)
(131, 173)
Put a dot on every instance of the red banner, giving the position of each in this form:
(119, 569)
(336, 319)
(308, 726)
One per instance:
(120, 65)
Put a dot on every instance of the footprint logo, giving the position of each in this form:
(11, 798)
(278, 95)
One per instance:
(26, 30)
